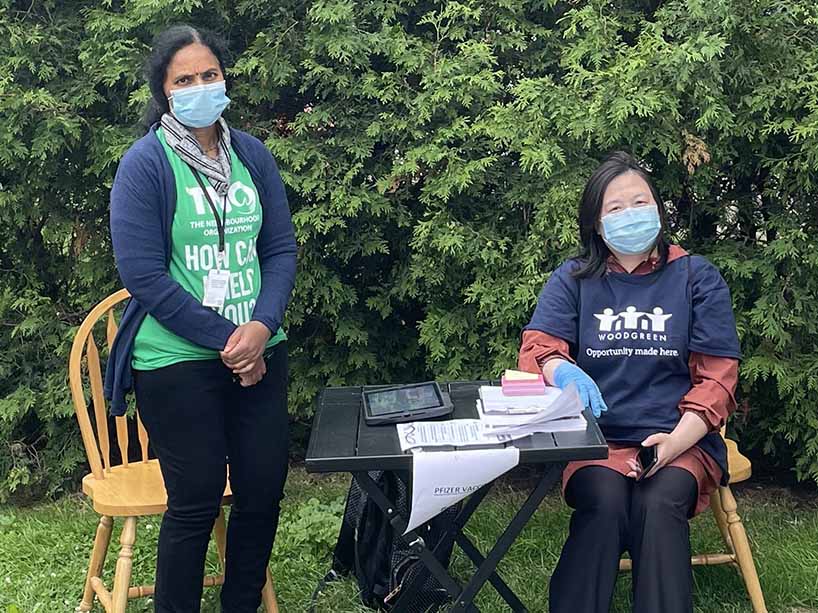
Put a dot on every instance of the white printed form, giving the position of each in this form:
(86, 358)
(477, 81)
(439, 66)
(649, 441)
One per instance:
(443, 478)
(451, 433)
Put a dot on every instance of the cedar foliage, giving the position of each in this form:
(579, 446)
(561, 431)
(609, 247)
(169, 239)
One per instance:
(433, 153)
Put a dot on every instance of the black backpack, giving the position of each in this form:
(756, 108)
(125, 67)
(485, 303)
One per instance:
(382, 562)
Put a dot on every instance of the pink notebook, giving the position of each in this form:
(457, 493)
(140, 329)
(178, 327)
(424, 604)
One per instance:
(523, 387)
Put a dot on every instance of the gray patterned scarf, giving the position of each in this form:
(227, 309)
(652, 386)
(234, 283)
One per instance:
(182, 141)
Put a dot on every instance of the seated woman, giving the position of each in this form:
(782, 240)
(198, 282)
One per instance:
(646, 332)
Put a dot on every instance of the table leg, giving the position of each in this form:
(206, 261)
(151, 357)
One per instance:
(447, 539)
(506, 593)
(488, 566)
(399, 525)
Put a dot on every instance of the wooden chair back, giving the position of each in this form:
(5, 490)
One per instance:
(85, 359)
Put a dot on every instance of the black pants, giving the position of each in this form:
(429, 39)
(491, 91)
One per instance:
(612, 514)
(199, 421)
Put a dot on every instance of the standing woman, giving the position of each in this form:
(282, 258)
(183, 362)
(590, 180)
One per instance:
(204, 242)
(646, 333)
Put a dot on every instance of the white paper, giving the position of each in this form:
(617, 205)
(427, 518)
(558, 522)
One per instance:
(495, 401)
(450, 433)
(564, 413)
(566, 424)
(442, 478)
(215, 288)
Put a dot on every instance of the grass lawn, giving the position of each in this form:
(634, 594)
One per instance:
(44, 549)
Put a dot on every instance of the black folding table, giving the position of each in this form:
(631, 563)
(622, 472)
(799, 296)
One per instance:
(342, 442)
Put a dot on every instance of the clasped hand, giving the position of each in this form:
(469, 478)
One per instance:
(667, 450)
(244, 352)
(689, 431)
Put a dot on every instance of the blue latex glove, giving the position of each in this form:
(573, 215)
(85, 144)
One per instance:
(567, 373)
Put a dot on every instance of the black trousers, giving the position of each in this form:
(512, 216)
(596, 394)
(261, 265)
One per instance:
(199, 421)
(613, 514)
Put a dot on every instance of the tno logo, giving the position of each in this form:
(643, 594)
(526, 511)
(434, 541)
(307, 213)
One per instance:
(239, 197)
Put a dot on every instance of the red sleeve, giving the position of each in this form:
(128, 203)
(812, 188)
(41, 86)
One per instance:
(712, 396)
(537, 348)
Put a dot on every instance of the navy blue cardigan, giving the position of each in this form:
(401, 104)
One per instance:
(143, 202)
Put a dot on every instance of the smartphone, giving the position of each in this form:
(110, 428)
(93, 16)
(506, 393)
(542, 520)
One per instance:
(647, 459)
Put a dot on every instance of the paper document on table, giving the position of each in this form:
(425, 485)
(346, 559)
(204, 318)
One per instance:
(565, 424)
(494, 401)
(443, 478)
(563, 414)
(450, 433)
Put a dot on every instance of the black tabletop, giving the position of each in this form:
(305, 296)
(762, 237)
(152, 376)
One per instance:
(342, 442)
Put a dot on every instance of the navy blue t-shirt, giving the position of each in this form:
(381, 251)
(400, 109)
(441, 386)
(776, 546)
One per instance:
(633, 334)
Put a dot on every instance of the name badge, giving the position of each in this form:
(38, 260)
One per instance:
(215, 288)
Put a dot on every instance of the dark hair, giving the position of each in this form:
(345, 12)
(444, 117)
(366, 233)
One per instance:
(594, 252)
(164, 47)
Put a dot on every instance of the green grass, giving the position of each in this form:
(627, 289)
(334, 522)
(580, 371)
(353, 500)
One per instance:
(44, 549)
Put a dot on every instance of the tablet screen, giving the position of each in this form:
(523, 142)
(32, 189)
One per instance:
(399, 400)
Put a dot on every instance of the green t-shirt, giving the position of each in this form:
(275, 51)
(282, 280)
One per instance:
(194, 244)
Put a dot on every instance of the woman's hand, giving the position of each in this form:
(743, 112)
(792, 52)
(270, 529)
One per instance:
(687, 433)
(245, 346)
(667, 450)
(566, 373)
(255, 375)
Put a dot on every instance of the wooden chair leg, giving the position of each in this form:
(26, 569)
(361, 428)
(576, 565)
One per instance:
(122, 578)
(744, 555)
(268, 595)
(101, 541)
(721, 519)
(220, 536)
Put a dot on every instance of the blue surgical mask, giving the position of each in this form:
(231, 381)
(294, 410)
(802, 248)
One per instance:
(632, 231)
(201, 105)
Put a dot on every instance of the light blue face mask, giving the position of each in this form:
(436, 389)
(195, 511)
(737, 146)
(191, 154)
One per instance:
(632, 231)
(201, 105)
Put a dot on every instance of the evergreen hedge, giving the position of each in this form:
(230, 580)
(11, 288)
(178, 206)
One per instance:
(434, 153)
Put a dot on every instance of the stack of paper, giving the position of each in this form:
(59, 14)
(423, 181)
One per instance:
(495, 401)
(554, 412)
(519, 383)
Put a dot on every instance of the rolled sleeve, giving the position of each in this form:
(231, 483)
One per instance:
(712, 395)
(539, 347)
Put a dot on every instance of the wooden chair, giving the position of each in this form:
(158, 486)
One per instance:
(732, 530)
(128, 490)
